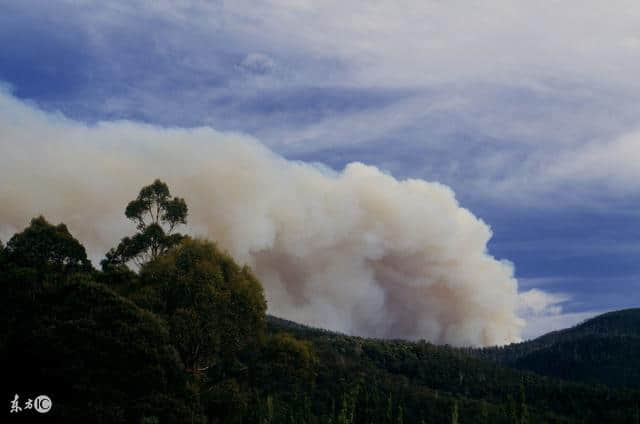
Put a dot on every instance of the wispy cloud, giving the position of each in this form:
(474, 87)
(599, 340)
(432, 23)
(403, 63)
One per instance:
(528, 102)
(539, 325)
(544, 312)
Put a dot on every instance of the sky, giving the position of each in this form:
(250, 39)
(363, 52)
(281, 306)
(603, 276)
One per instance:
(528, 111)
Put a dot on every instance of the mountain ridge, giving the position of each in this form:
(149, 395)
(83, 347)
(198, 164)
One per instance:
(604, 349)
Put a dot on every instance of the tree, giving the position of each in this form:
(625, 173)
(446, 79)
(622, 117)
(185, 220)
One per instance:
(524, 412)
(102, 358)
(213, 306)
(484, 413)
(454, 413)
(99, 355)
(389, 410)
(41, 255)
(345, 416)
(286, 362)
(156, 215)
(47, 248)
(400, 418)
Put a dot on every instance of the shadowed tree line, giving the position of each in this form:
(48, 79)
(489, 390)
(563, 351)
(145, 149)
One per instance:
(604, 349)
(171, 329)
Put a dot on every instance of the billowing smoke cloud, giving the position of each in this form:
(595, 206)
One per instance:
(356, 251)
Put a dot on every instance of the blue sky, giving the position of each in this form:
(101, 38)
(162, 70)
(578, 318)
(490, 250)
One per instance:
(529, 113)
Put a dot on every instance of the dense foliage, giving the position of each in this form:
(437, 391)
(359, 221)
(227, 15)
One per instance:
(214, 308)
(98, 355)
(185, 338)
(378, 378)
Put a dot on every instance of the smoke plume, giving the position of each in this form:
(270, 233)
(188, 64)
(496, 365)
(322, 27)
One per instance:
(355, 251)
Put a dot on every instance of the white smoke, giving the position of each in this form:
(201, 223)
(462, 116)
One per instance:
(356, 251)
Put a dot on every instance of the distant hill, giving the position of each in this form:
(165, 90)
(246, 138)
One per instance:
(604, 349)
(427, 378)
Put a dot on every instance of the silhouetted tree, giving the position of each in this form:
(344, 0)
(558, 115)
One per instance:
(47, 248)
(156, 215)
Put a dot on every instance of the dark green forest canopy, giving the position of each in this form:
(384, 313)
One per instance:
(214, 307)
(604, 349)
(185, 338)
(47, 248)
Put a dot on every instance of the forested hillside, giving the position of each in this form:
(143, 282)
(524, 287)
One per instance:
(483, 391)
(184, 337)
(604, 349)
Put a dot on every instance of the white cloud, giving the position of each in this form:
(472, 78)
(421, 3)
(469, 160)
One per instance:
(543, 312)
(613, 164)
(408, 42)
(537, 91)
(537, 302)
(540, 325)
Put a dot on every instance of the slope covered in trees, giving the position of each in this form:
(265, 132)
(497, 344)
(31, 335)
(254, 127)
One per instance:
(604, 349)
(184, 338)
(429, 381)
